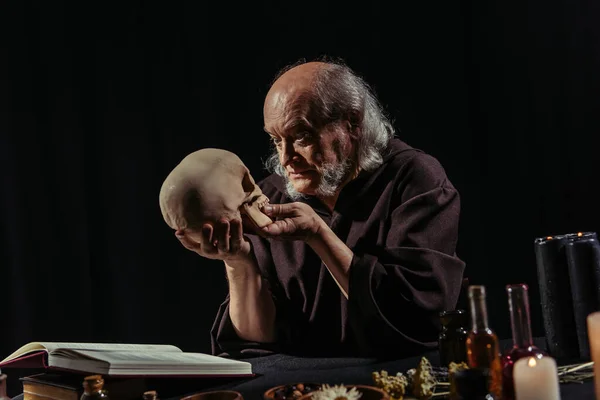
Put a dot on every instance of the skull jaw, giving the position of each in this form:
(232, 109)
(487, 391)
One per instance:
(252, 210)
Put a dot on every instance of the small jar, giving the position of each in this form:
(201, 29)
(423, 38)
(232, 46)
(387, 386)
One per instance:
(150, 395)
(453, 337)
(93, 388)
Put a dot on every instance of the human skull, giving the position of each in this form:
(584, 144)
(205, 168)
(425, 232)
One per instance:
(208, 185)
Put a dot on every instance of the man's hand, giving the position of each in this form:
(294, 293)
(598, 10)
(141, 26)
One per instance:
(292, 221)
(223, 241)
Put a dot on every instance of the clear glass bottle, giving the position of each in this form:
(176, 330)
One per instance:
(520, 322)
(483, 349)
(453, 337)
(93, 388)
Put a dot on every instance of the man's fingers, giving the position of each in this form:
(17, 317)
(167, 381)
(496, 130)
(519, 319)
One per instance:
(187, 242)
(206, 236)
(237, 235)
(279, 227)
(279, 210)
(222, 236)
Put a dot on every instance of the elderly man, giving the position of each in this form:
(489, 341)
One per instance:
(360, 258)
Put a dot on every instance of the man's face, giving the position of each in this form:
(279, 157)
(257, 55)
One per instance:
(315, 158)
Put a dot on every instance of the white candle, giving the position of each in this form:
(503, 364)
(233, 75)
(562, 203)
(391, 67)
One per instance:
(593, 325)
(536, 379)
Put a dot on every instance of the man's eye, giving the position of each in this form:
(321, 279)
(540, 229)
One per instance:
(303, 136)
(276, 140)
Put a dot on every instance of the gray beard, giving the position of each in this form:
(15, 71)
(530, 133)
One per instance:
(332, 177)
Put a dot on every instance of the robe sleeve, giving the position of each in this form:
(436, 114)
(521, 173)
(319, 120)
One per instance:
(224, 340)
(397, 289)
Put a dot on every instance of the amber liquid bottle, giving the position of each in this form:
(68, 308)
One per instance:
(93, 388)
(150, 395)
(483, 350)
(520, 322)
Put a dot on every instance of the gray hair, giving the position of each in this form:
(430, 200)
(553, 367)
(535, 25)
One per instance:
(340, 94)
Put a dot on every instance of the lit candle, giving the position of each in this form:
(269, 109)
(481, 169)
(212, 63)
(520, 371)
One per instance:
(593, 323)
(536, 379)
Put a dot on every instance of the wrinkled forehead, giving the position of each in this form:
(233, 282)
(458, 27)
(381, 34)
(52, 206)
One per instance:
(290, 108)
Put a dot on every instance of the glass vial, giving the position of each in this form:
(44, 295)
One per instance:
(150, 395)
(520, 322)
(3, 394)
(93, 388)
(483, 349)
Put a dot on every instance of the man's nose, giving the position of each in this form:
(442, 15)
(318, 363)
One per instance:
(288, 153)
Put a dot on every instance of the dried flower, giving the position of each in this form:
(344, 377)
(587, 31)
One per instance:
(423, 380)
(337, 392)
(396, 386)
(410, 376)
(576, 372)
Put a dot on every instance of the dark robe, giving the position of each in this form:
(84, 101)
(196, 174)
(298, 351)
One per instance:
(401, 222)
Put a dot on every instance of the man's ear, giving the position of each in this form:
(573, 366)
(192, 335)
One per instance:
(353, 125)
(353, 131)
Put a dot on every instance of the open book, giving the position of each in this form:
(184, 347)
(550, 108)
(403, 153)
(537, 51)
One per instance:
(118, 359)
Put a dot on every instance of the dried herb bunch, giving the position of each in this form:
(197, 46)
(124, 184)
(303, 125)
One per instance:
(576, 373)
(421, 382)
(394, 385)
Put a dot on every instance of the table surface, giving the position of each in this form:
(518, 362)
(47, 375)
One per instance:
(276, 370)
(279, 369)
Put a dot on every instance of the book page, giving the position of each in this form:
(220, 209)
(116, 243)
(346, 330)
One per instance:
(137, 363)
(52, 346)
(25, 349)
(152, 359)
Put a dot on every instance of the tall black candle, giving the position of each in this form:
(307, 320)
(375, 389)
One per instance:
(583, 258)
(556, 298)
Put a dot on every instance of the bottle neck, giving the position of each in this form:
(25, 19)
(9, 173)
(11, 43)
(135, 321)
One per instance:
(93, 384)
(520, 321)
(3, 385)
(479, 316)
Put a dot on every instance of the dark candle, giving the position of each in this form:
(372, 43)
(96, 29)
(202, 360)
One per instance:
(556, 298)
(583, 258)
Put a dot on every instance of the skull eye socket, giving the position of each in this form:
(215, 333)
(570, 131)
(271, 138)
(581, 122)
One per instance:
(248, 184)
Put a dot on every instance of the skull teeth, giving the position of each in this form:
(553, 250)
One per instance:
(258, 217)
(263, 202)
(258, 202)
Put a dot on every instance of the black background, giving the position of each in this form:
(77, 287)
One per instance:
(98, 104)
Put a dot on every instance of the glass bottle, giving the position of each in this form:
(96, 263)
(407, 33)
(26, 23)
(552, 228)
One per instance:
(3, 395)
(93, 388)
(453, 337)
(473, 384)
(520, 322)
(150, 395)
(483, 349)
